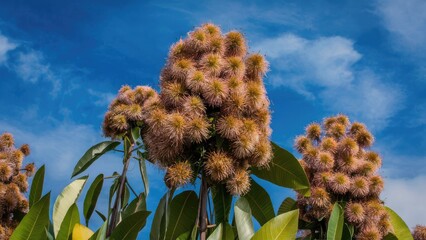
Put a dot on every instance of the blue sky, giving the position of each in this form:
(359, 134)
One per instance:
(61, 62)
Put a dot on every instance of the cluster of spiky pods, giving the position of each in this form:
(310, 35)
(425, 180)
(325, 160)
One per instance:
(419, 232)
(212, 114)
(13, 183)
(341, 167)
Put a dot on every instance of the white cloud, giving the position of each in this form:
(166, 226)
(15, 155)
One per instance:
(407, 197)
(324, 69)
(5, 47)
(31, 67)
(406, 20)
(103, 99)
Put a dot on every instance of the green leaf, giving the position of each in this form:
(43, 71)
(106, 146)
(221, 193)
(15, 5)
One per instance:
(138, 204)
(92, 154)
(92, 197)
(136, 133)
(401, 230)
(101, 233)
(64, 201)
(183, 213)
(129, 227)
(285, 170)
(155, 233)
(243, 221)
(70, 220)
(287, 205)
(33, 226)
(222, 201)
(348, 231)
(335, 223)
(283, 226)
(125, 197)
(37, 186)
(390, 236)
(144, 174)
(222, 232)
(260, 203)
(101, 215)
(184, 236)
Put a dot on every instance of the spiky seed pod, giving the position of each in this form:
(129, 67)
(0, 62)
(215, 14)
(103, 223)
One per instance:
(324, 162)
(354, 212)
(313, 131)
(119, 123)
(216, 45)
(262, 154)
(347, 147)
(375, 210)
(178, 174)
(255, 95)
(156, 120)
(370, 233)
(364, 138)
(197, 41)
(302, 143)
(336, 130)
(339, 183)
(194, 105)
(175, 127)
(374, 158)
(211, 30)
(328, 144)
(357, 127)
(5, 172)
(173, 94)
(322, 179)
(21, 181)
(17, 157)
(328, 122)
(376, 185)
(256, 66)
(25, 149)
(244, 145)
(348, 164)
(319, 197)
(419, 232)
(177, 50)
(219, 166)
(310, 156)
(359, 187)
(30, 169)
(239, 183)
(212, 64)
(234, 67)
(385, 225)
(215, 92)
(234, 104)
(196, 81)
(235, 44)
(229, 127)
(342, 119)
(6, 141)
(198, 129)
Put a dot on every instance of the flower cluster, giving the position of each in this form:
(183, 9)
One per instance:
(212, 112)
(341, 167)
(13, 183)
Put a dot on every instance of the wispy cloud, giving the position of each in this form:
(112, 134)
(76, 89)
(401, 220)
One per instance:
(102, 98)
(407, 196)
(5, 46)
(31, 67)
(325, 69)
(406, 20)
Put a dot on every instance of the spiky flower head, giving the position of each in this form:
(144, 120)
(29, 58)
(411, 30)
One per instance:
(219, 166)
(419, 232)
(341, 167)
(178, 174)
(239, 183)
(13, 184)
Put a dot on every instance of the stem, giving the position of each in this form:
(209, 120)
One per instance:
(116, 208)
(203, 208)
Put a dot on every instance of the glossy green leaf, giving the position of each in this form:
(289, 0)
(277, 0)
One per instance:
(92, 197)
(102, 216)
(285, 170)
(37, 186)
(348, 231)
(129, 227)
(401, 230)
(390, 236)
(136, 133)
(222, 201)
(125, 197)
(243, 221)
(144, 174)
(260, 203)
(70, 220)
(155, 233)
(33, 226)
(335, 223)
(137, 204)
(184, 236)
(222, 232)
(283, 226)
(287, 205)
(183, 213)
(92, 154)
(100, 234)
(64, 201)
